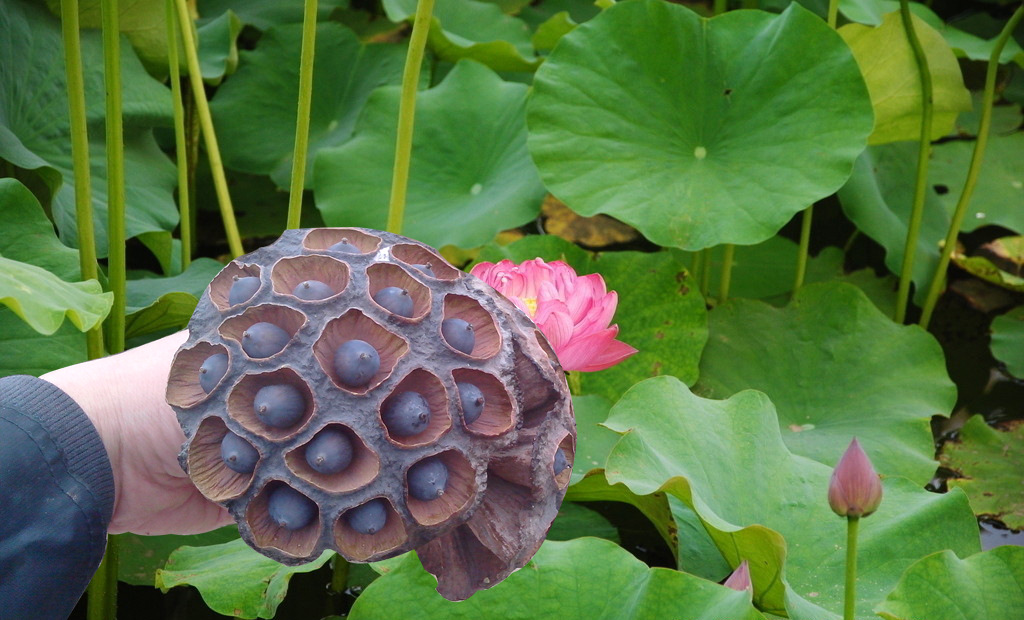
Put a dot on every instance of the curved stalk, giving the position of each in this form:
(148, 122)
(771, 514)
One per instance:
(80, 160)
(939, 278)
(407, 114)
(726, 280)
(302, 118)
(116, 265)
(180, 146)
(220, 182)
(833, 13)
(923, 153)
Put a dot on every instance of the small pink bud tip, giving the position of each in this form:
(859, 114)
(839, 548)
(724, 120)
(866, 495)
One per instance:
(740, 578)
(855, 489)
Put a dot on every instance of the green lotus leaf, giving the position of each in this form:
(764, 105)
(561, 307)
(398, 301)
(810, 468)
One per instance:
(985, 586)
(582, 579)
(139, 557)
(576, 521)
(1008, 340)
(155, 304)
(42, 299)
(469, 162)
(836, 368)
(890, 70)
(985, 269)
(988, 463)
(263, 14)
(260, 139)
(726, 460)
(879, 194)
(767, 115)
(35, 134)
(232, 578)
(479, 31)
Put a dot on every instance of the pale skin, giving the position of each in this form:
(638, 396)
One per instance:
(123, 395)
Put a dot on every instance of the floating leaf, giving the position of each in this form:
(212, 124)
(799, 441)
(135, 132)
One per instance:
(660, 312)
(582, 579)
(836, 368)
(999, 262)
(139, 557)
(726, 460)
(766, 116)
(155, 304)
(890, 70)
(42, 299)
(475, 30)
(469, 162)
(988, 465)
(1008, 340)
(985, 586)
(260, 139)
(233, 579)
(35, 133)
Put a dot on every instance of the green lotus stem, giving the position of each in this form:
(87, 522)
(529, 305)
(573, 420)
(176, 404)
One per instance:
(939, 277)
(923, 154)
(180, 146)
(220, 182)
(339, 578)
(705, 273)
(116, 261)
(850, 596)
(803, 253)
(833, 13)
(696, 262)
(407, 114)
(80, 160)
(101, 603)
(575, 381)
(720, 6)
(726, 280)
(302, 118)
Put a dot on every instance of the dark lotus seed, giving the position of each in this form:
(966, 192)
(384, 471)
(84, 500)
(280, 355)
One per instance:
(561, 464)
(242, 289)
(369, 518)
(212, 371)
(472, 400)
(290, 509)
(264, 340)
(406, 414)
(356, 362)
(425, 268)
(396, 300)
(329, 452)
(345, 246)
(238, 454)
(280, 405)
(428, 479)
(459, 334)
(312, 290)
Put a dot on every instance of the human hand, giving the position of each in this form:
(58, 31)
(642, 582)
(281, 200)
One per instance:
(123, 395)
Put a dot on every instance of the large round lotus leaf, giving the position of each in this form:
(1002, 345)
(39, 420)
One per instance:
(988, 465)
(260, 139)
(698, 131)
(582, 579)
(890, 70)
(836, 368)
(35, 130)
(985, 586)
(471, 176)
(758, 501)
(1008, 340)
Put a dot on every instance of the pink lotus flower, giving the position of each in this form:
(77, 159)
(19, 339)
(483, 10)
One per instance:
(573, 312)
(740, 578)
(854, 490)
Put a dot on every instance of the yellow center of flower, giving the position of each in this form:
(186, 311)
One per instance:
(531, 305)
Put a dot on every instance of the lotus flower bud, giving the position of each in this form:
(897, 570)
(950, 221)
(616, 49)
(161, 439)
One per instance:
(855, 489)
(740, 578)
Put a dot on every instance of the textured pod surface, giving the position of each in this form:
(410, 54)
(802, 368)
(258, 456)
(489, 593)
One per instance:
(504, 463)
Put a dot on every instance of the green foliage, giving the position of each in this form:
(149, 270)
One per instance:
(584, 579)
(1008, 340)
(43, 300)
(766, 115)
(987, 585)
(988, 463)
(139, 557)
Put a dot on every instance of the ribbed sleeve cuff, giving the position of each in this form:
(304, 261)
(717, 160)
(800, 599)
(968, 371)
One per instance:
(71, 431)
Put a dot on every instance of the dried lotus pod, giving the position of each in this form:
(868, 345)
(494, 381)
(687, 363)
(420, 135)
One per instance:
(325, 353)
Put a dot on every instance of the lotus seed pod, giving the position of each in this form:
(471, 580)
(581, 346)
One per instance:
(238, 454)
(396, 300)
(243, 289)
(444, 427)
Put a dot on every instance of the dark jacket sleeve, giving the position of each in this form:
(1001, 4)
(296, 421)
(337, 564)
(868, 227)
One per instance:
(56, 500)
